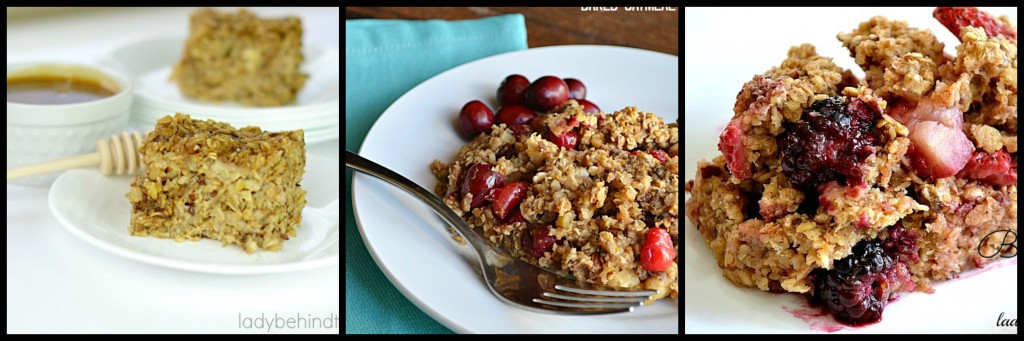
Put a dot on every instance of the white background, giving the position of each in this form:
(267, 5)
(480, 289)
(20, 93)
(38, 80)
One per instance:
(57, 283)
(725, 48)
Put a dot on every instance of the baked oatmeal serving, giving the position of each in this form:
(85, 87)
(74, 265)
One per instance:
(591, 195)
(206, 179)
(241, 57)
(853, 191)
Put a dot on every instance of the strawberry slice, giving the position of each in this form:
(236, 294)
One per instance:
(956, 17)
(991, 168)
(731, 145)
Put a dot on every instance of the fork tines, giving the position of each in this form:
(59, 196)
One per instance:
(596, 299)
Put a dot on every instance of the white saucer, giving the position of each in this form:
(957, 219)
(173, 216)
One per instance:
(317, 109)
(93, 207)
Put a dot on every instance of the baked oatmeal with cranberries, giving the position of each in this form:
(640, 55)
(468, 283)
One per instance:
(853, 191)
(594, 196)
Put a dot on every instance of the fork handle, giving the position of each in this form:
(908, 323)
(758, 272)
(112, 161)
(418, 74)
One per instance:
(371, 168)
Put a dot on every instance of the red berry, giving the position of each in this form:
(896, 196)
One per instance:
(522, 129)
(566, 140)
(901, 244)
(955, 18)
(991, 168)
(576, 89)
(732, 147)
(658, 154)
(537, 124)
(515, 216)
(479, 180)
(546, 93)
(589, 107)
(536, 241)
(657, 252)
(513, 90)
(508, 197)
(513, 115)
(475, 118)
(572, 122)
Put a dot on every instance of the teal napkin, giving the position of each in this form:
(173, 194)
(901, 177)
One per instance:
(383, 60)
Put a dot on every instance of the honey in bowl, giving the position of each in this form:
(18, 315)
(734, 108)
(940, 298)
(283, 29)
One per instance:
(58, 85)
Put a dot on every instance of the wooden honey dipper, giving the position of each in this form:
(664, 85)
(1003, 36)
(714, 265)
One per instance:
(119, 154)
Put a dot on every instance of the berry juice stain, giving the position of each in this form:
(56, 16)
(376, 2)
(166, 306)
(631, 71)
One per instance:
(817, 319)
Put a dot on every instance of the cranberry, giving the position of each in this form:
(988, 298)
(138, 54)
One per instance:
(536, 240)
(521, 129)
(515, 216)
(546, 93)
(513, 90)
(829, 143)
(572, 121)
(537, 124)
(475, 118)
(508, 197)
(589, 107)
(513, 115)
(577, 90)
(479, 180)
(567, 140)
(657, 252)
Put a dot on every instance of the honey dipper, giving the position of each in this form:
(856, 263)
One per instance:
(119, 154)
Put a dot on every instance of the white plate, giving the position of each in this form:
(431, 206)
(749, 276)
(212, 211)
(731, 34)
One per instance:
(713, 304)
(149, 63)
(94, 208)
(411, 245)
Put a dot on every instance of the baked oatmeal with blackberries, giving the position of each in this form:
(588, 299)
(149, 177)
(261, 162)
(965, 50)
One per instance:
(853, 191)
(592, 195)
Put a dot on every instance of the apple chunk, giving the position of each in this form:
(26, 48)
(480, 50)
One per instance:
(944, 150)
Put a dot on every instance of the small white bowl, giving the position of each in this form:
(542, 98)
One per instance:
(44, 132)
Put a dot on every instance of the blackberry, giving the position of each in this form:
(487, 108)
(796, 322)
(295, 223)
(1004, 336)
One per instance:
(830, 142)
(859, 286)
(901, 243)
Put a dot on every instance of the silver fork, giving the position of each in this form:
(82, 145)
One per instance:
(512, 280)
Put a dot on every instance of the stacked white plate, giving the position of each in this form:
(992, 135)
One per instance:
(317, 110)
